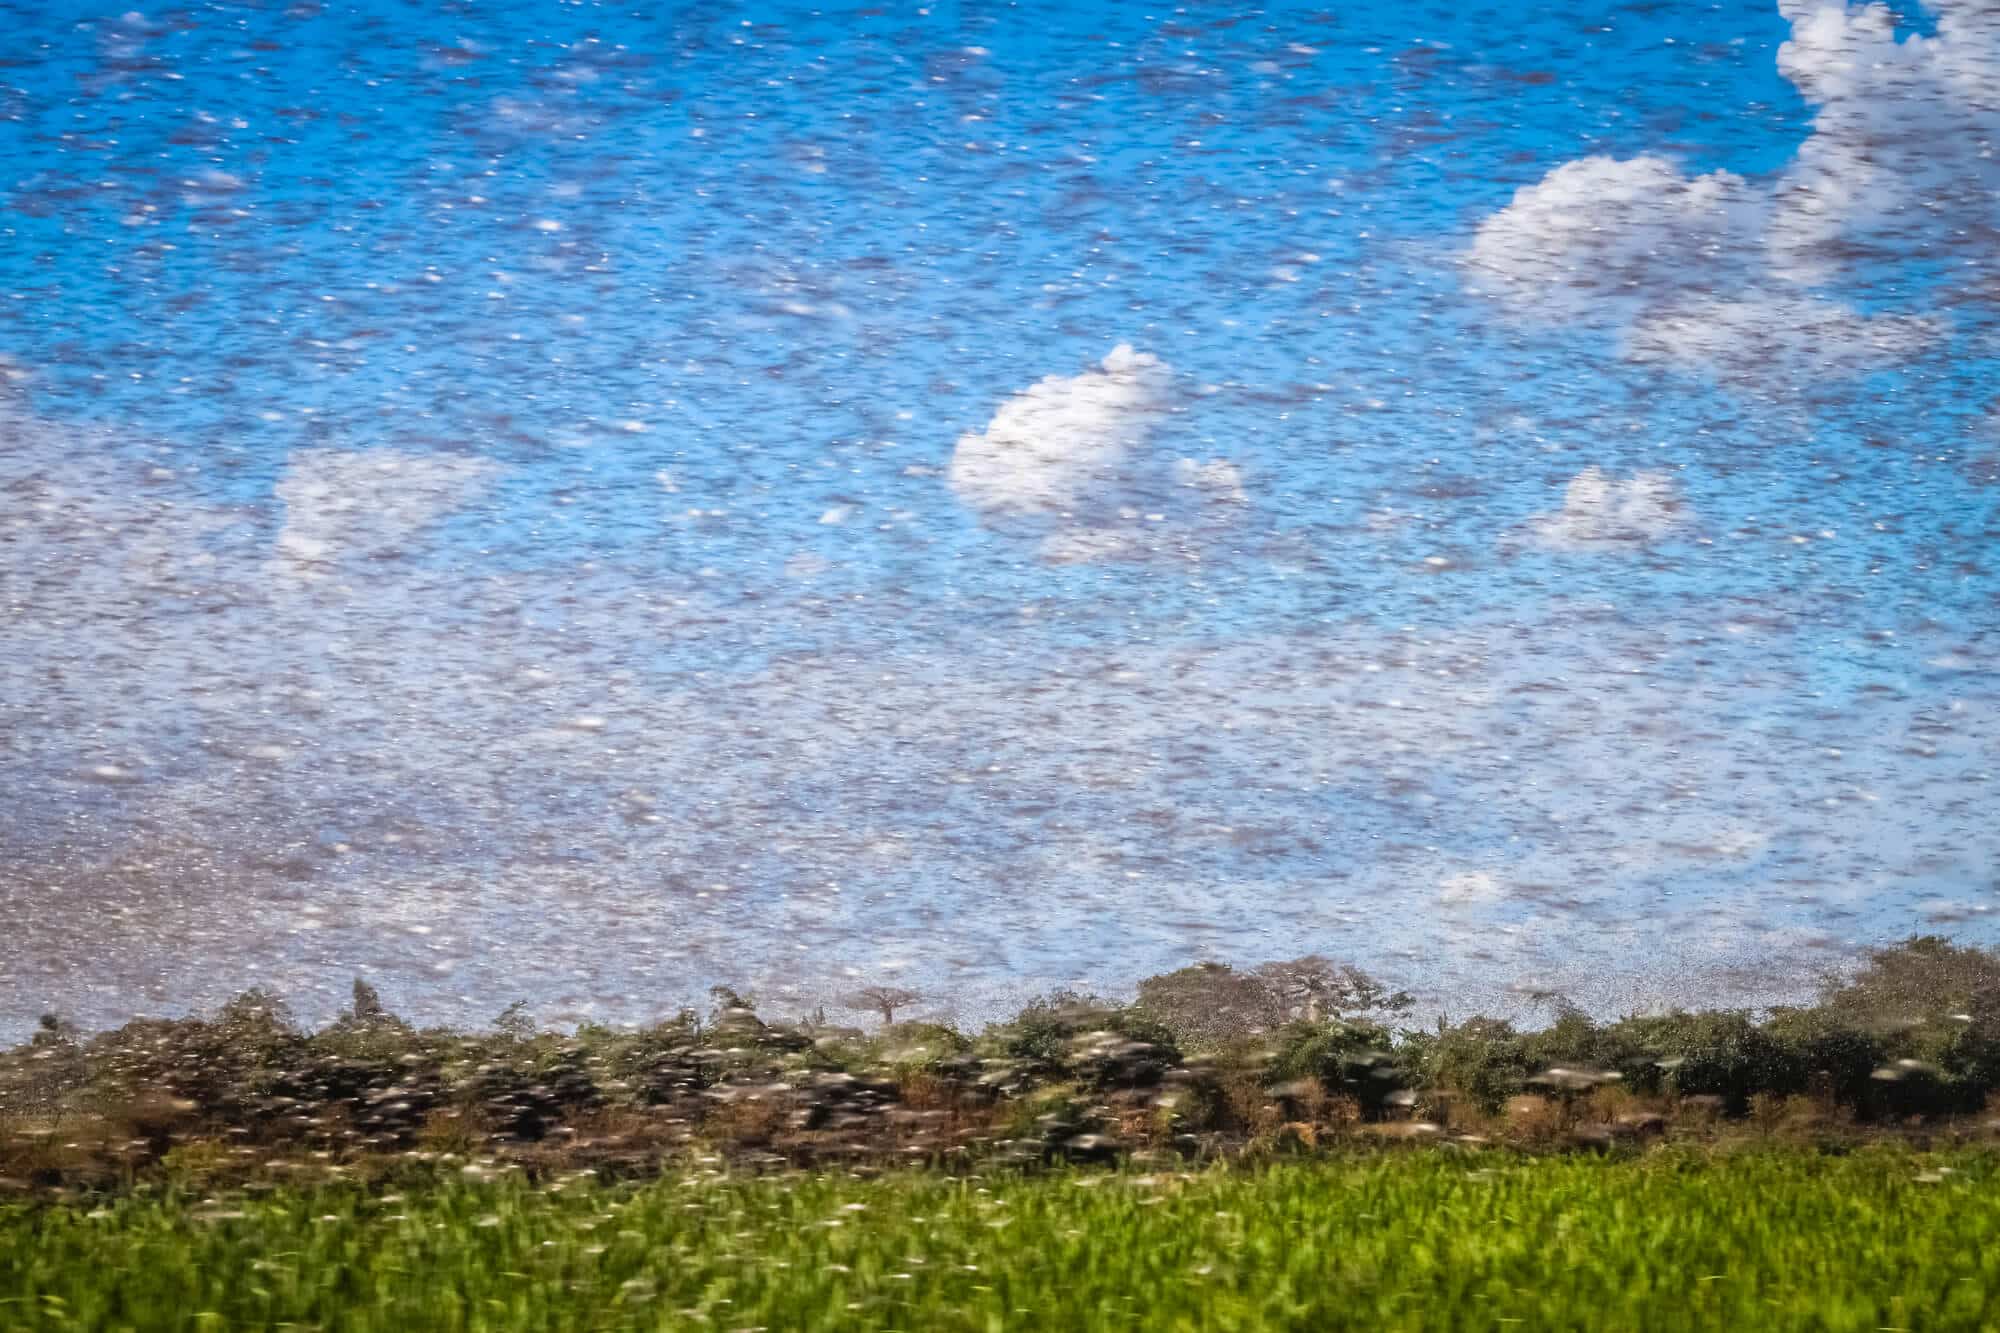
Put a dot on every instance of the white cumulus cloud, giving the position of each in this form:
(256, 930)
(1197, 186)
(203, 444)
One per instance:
(1599, 509)
(1064, 441)
(1904, 157)
(1750, 279)
(1597, 239)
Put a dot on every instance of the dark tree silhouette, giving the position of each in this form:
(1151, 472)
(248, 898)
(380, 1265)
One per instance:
(883, 1000)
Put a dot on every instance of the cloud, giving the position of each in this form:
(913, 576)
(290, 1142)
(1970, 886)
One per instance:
(1598, 239)
(1072, 452)
(1778, 334)
(1082, 546)
(1904, 155)
(1062, 443)
(368, 504)
(1218, 480)
(1599, 510)
(1902, 166)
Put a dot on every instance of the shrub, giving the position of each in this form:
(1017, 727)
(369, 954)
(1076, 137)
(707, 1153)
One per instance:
(1076, 1038)
(1346, 1059)
(1837, 1059)
(1482, 1060)
(1718, 1053)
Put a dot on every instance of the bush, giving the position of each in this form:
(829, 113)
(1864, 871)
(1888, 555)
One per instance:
(1346, 1059)
(1715, 1053)
(1076, 1038)
(1482, 1061)
(1838, 1060)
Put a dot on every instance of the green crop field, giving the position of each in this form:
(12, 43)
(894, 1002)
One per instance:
(1767, 1238)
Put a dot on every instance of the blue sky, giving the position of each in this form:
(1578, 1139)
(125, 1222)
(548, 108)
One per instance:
(545, 500)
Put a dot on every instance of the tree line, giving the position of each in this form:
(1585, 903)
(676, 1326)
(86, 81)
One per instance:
(1206, 1061)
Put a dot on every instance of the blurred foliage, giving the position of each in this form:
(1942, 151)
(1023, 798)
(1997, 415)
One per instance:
(1678, 1239)
(1206, 1061)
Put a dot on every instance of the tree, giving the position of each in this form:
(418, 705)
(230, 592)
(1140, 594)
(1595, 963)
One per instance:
(1934, 1007)
(1315, 987)
(1210, 1004)
(1483, 1060)
(1352, 1059)
(734, 1017)
(1839, 1058)
(515, 1021)
(1070, 1037)
(883, 1000)
(367, 1023)
(1710, 1053)
(1924, 979)
(256, 1015)
(367, 1005)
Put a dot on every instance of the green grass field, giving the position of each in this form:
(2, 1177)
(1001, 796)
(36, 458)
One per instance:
(1394, 1240)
